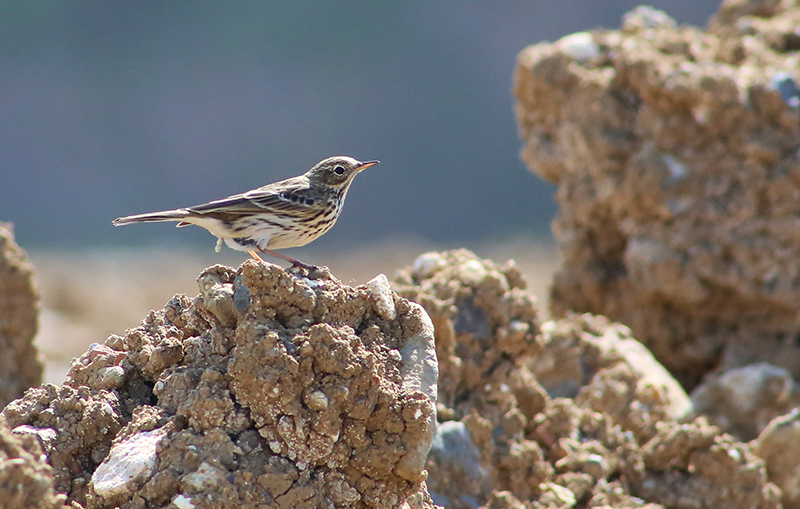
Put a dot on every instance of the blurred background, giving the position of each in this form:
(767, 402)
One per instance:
(115, 108)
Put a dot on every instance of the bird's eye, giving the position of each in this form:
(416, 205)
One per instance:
(339, 170)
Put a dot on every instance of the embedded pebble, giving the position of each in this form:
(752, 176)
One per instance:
(241, 296)
(205, 478)
(744, 399)
(218, 298)
(182, 502)
(426, 264)
(128, 463)
(471, 272)
(644, 17)
(454, 452)
(779, 446)
(317, 400)
(677, 170)
(580, 46)
(419, 372)
(786, 86)
(45, 436)
(382, 297)
(110, 377)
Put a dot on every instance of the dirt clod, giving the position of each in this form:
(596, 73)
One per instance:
(572, 413)
(20, 364)
(26, 480)
(268, 389)
(675, 154)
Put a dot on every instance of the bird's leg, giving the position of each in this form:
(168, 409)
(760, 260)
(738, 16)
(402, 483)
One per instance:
(295, 263)
(255, 255)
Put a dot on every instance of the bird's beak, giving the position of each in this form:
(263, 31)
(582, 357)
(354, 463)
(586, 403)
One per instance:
(366, 165)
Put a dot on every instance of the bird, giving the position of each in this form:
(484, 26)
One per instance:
(289, 213)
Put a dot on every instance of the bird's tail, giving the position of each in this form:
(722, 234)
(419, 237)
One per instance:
(152, 217)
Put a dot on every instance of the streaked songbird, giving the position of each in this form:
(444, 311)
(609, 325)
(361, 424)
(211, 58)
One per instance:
(289, 213)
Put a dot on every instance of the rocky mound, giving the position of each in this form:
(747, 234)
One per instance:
(675, 153)
(273, 389)
(26, 480)
(269, 389)
(572, 413)
(20, 365)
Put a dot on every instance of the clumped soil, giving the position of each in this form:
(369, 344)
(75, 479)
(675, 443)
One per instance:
(570, 413)
(20, 363)
(268, 389)
(674, 149)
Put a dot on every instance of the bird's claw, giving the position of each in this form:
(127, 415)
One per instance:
(300, 265)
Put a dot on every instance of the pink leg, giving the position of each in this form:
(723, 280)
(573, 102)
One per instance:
(295, 263)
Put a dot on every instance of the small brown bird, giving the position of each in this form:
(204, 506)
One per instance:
(289, 213)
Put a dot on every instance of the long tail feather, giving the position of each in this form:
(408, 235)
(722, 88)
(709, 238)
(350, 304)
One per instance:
(152, 217)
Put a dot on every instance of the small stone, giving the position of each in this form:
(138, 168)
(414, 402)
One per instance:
(471, 272)
(427, 264)
(110, 377)
(560, 493)
(241, 296)
(129, 463)
(382, 297)
(419, 372)
(677, 170)
(317, 400)
(182, 502)
(205, 478)
(580, 46)
(218, 296)
(46, 436)
(785, 84)
(646, 17)
(739, 398)
(455, 453)
(779, 446)
(595, 465)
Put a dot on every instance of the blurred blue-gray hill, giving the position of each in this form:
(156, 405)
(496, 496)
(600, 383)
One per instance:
(114, 108)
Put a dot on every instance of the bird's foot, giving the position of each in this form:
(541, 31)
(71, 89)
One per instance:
(301, 265)
(296, 264)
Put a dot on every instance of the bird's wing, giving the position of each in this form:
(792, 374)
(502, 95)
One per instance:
(278, 197)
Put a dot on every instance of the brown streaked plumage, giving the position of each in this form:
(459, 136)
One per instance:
(289, 213)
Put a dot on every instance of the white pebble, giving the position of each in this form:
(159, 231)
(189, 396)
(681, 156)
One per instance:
(427, 264)
(129, 463)
(110, 377)
(580, 46)
(382, 297)
(182, 502)
(472, 272)
(317, 400)
(205, 478)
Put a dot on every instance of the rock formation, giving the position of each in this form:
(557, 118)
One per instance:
(675, 152)
(269, 389)
(20, 365)
(570, 413)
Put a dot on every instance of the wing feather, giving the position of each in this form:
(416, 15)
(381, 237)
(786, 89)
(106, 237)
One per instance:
(271, 198)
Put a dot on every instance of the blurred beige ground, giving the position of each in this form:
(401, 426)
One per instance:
(88, 296)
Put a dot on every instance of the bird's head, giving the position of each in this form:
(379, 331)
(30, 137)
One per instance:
(337, 171)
